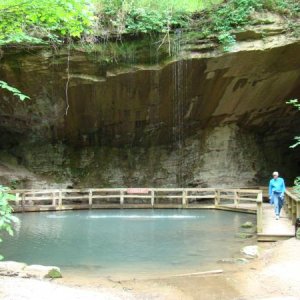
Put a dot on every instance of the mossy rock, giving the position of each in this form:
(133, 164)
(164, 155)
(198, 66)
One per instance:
(39, 271)
(247, 225)
(243, 235)
(54, 273)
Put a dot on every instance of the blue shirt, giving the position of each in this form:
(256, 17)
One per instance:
(276, 185)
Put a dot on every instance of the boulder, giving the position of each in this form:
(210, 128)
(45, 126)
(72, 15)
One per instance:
(39, 271)
(11, 268)
(251, 251)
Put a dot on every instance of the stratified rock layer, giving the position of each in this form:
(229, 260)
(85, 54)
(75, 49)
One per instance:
(206, 118)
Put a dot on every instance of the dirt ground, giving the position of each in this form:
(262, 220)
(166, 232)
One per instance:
(274, 275)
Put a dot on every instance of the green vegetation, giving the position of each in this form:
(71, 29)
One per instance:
(296, 104)
(215, 18)
(37, 22)
(147, 16)
(234, 14)
(43, 21)
(14, 91)
(6, 218)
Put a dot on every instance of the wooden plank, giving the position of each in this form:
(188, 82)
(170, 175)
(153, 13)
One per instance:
(201, 197)
(200, 206)
(273, 238)
(236, 209)
(37, 198)
(272, 228)
(175, 206)
(168, 196)
(75, 197)
(250, 191)
(292, 196)
(212, 272)
(106, 196)
(137, 191)
(137, 196)
(200, 190)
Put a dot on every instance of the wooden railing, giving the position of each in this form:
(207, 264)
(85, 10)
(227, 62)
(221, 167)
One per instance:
(121, 196)
(62, 199)
(292, 206)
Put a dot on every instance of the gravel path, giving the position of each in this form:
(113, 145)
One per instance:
(31, 289)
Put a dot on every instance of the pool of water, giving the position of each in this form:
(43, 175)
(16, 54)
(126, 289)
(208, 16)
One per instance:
(136, 242)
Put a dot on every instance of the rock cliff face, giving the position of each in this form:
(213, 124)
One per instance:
(202, 118)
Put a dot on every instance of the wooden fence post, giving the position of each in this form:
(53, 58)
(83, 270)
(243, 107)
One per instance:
(53, 199)
(298, 209)
(90, 198)
(17, 199)
(259, 215)
(23, 201)
(184, 199)
(289, 207)
(121, 197)
(235, 199)
(294, 211)
(217, 197)
(60, 199)
(152, 197)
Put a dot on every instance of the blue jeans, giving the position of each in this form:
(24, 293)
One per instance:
(278, 202)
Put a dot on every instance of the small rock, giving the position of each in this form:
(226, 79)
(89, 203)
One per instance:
(251, 251)
(247, 225)
(227, 261)
(242, 260)
(38, 271)
(11, 268)
(239, 260)
(243, 235)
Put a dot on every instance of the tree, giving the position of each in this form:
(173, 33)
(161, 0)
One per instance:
(6, 217)
(43, 21)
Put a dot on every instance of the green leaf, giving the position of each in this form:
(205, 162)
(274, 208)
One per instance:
(13, 90)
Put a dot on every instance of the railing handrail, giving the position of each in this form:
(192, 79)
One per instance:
(78, 190)
(293, 196)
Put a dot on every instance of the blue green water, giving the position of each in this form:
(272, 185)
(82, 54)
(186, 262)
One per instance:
(136, 242)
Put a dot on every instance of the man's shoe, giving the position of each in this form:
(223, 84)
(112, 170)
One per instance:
(277, 217)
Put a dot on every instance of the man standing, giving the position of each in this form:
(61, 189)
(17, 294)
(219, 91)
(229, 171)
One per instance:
(276, 193)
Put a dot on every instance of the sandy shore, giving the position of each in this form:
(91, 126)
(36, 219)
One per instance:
(274, 275)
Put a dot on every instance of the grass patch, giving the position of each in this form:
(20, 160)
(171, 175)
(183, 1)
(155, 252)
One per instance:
(160, 5)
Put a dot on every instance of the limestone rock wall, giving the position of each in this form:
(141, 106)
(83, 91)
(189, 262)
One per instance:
(204, 118)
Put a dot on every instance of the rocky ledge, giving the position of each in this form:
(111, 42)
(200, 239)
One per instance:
(17, 269)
